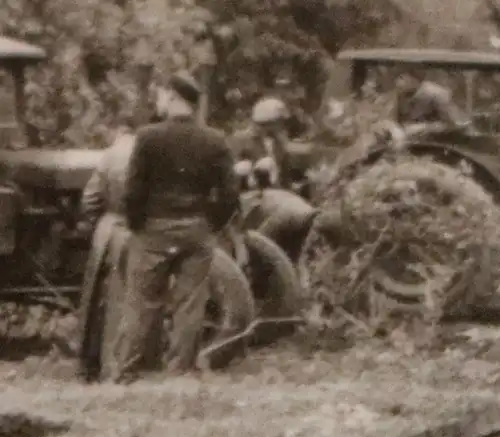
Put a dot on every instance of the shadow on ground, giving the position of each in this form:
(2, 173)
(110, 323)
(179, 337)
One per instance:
(23, 425)
(19, 348)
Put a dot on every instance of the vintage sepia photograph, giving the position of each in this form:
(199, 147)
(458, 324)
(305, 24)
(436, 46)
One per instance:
(252, 218)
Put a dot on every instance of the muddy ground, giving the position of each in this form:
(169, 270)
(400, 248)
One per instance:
(377, 388)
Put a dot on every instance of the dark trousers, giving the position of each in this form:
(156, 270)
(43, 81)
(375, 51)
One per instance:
(167, 273)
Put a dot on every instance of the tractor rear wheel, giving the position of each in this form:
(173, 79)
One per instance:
(405, 235)
(274, 281)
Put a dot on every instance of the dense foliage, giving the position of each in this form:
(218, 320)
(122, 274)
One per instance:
(90, 84)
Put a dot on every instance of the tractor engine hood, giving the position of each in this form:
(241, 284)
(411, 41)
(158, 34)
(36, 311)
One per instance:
(48, 168)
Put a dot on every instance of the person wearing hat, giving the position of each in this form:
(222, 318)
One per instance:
(179, 192)
(179, 100)
(426, 103)
(263, 147)
(104, 208)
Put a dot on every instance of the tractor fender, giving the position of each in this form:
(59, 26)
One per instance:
(63, 169)
(281, 215)
(290, 237)
(274, 280)
(231, 295)
(443, 153)
(452, 155)
(258, 205)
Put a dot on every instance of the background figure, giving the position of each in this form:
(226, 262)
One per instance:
(103, 281)
(428, 102)
(264, 145)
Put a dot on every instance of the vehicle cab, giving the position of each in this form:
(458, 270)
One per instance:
(468, 63)
(478, 146)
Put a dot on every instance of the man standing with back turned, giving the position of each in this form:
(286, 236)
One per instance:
(180, 190)
(103, 205)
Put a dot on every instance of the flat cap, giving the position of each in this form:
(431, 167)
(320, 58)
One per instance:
(186, 86)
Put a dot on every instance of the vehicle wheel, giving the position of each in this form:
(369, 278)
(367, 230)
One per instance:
(231, 307)
(406, 236)
(274, 281)
(230, 311)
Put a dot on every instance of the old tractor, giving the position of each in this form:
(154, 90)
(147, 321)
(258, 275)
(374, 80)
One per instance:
(44, 242)
(478, 146)
(39, 206)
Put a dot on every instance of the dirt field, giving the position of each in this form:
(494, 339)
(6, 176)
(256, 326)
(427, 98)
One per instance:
(374, 389)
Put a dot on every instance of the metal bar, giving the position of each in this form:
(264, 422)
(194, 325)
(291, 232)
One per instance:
(39, 291)
(470, 79)
(358, 78)
(204, 103)
(19, 83)
(17, 71)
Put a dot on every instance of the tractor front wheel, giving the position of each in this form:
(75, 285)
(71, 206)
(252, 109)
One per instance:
(231, 307)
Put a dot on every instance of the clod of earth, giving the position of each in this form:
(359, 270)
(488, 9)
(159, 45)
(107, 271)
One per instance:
(23, 425)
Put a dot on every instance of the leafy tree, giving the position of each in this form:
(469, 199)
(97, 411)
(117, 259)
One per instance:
(89, 87)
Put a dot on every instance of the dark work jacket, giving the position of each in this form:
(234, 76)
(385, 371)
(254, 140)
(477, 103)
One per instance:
(432, 103)
(180, 170)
